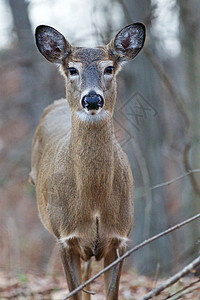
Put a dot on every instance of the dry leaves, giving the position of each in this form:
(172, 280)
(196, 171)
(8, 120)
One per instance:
(132, 286)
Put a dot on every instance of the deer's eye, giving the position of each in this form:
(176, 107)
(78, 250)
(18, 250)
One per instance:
(73, 71)
(108, 70)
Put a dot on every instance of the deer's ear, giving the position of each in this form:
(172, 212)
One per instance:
(52, 44)
(128, 42)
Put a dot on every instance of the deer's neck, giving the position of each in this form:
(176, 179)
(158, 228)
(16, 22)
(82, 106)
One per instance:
(91, 142)
(92, 156)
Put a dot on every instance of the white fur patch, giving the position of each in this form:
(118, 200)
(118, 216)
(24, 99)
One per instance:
(74, 64)
(85, 116)
(123, 241)
(64, 241)
(106, 63)
(133, 37)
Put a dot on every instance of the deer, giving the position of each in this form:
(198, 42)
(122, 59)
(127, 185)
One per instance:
(83, 180)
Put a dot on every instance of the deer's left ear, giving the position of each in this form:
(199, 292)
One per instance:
(128, 42)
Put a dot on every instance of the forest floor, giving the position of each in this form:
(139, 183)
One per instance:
(132, 286)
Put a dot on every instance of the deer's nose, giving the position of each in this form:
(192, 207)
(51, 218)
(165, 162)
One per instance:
(92, 101)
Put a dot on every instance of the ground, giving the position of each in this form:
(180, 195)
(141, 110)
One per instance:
(53, 287)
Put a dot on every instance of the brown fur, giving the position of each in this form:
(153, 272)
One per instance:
(84, 184)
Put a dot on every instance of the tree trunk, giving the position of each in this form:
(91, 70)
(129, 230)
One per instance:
(147, 132)
(189, 31)
(22, 26)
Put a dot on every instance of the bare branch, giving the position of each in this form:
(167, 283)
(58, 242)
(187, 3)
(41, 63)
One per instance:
(189, 268)
(175, 179)
(128, 253)
(186, 162)
(89, 292)
(186, 289)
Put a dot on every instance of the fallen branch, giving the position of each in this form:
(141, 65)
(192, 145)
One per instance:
(189, 268)
(175, 179)
(128, 253)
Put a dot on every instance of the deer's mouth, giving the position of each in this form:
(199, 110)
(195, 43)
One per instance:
(92, 112)
(94, 115)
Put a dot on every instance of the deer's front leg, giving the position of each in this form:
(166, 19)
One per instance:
(72, 269)
(112, 276)
(87, 275)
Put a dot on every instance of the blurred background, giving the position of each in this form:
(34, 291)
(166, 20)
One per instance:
(157, 122)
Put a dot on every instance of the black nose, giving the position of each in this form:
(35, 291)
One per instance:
(92, 101)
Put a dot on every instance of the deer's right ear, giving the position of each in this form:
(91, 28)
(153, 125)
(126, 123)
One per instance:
(52, 44)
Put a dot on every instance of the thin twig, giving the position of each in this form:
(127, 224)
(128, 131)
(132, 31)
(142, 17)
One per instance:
(156, 276)
(190, 290)
(128, 253)
(180, 292)
(175, 179)
(186, 162)
(117, 250)
(89, 292)
(173, 279)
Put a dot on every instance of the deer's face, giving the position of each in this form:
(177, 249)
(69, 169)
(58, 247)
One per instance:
(90, 81)
(90, 73)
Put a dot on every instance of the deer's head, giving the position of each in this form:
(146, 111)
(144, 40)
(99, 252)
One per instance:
(90, 73)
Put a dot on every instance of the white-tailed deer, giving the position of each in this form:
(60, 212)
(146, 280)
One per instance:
(84, 184)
